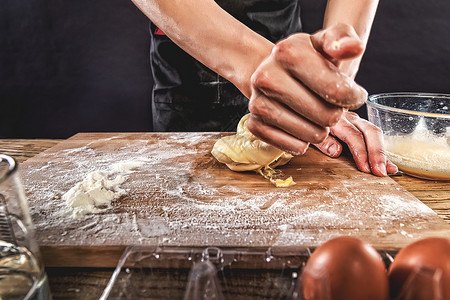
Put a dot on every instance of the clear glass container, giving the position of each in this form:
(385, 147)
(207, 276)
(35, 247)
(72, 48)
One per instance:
(416, 129)
(153, 272)
(146, 272)
(22, 274)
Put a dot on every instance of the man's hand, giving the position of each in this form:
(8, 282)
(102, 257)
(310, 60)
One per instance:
(298, 92)
(302, 90)
(365, 142)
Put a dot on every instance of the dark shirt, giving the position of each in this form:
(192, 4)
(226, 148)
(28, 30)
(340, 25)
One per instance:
(187, 96)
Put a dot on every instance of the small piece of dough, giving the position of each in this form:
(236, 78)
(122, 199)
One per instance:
(245, 152)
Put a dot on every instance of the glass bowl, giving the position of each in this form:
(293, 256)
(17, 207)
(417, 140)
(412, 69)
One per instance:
(416, 129)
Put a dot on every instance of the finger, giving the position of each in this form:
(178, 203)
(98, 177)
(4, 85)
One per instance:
(318, 73)
(278, 115)
(276, 137)
(373, 137)
(338, 42)
(276, 84)
(353, 137)
(330, 146)
(391, 168)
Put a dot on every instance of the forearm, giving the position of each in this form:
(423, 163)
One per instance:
(210, 35)
(359, 15)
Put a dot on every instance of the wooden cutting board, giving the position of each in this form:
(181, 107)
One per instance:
(181, 196)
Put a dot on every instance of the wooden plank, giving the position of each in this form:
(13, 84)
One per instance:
(181, 196)
(435, 194)
(22, 149)
(78, 283)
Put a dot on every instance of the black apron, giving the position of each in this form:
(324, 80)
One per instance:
(187, 96)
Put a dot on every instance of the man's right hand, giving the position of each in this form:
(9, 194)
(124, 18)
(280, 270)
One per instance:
(298, 92)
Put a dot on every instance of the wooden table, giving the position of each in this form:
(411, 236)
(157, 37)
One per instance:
(76, 283)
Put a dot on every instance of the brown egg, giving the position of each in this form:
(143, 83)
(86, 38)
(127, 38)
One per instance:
(345, 268)
(421, 271)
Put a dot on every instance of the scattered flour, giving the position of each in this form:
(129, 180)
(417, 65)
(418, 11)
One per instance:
(171, 193)
(95, 193)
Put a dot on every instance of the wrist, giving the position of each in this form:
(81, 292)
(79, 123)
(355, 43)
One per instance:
(255, 53)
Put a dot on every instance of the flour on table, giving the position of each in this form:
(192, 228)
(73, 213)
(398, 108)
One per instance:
(178, 197)
(98, 189)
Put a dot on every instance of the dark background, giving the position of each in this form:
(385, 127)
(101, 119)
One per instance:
(72, 66)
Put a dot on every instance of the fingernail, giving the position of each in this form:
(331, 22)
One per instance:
(393, 169)
(300, 150)
(333, 150)
(381, 167)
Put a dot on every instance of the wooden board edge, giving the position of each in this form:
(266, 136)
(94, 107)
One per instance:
(84, 256)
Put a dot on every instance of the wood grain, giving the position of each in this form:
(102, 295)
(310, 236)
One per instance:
(435, 194)
(23, 149)
(331, 198)
(88, 283)
(78, 283)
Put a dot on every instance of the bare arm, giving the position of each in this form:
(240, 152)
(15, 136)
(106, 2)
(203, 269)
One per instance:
(359, 15)
(212, 36)
(278, 79)
(363, 138)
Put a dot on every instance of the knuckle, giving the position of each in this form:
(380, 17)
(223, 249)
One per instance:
(356, 148)
(258, 107)
(354, 138)
(374, 130)
(286, 51)
(351, 115)
(363, 47)
(362, 96)
(257, 129)
(319, 136)
(261, 79)
(327, 35)
(340, 91)
(253, 127)
(333, 117)
(357, 95)
(282, 49)
(251, 105)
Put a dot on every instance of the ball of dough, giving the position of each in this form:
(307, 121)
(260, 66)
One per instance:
(245, 152)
